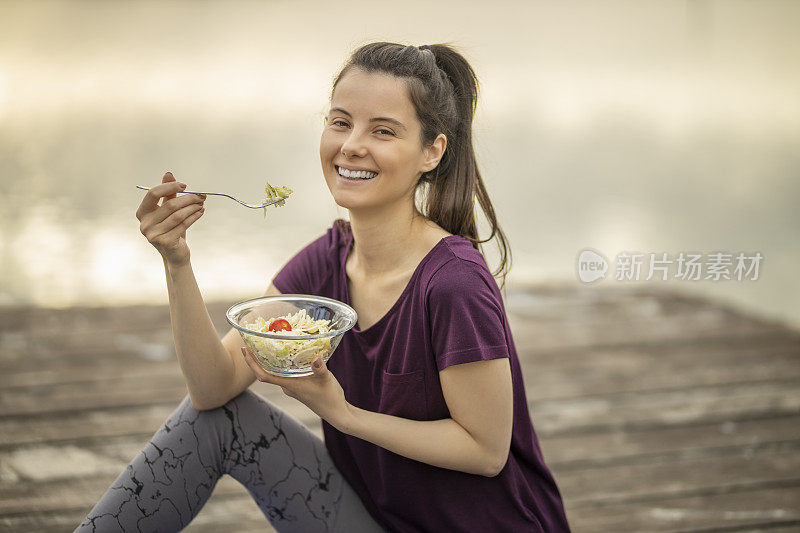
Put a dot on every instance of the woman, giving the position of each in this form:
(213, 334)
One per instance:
(423, 405)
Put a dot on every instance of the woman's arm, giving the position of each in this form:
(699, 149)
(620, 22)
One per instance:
(211, 368)
(207, 367)
(477, 437)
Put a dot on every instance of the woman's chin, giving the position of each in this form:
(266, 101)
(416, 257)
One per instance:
(348, 203)
(349, 199)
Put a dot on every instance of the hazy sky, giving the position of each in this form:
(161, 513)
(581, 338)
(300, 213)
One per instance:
(677, 62)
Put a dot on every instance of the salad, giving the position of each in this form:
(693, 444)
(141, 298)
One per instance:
(271, 193)
(289, 353)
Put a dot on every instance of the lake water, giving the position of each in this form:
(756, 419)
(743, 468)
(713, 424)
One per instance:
(668, 128)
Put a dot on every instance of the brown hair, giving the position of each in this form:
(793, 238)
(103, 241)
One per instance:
(444, 91)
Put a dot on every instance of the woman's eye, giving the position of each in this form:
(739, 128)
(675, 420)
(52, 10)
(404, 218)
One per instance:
(338, 122)
(387, 131)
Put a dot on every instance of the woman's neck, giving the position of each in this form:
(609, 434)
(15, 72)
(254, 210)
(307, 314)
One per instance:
(386, 242)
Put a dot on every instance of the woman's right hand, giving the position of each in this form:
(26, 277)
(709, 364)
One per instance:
(165, 225)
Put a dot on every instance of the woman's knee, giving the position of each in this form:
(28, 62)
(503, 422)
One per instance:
(245, 397)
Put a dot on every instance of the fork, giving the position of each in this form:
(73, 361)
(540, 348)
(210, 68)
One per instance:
(251, 206)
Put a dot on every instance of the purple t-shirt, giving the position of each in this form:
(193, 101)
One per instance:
(450, 312)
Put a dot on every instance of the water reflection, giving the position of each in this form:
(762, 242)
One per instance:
(686, 142)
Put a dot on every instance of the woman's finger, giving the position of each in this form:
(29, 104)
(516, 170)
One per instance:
(263, 375)
(179, 222)
(152, 229)
(150, 201)
(168, 177)
(171, 208)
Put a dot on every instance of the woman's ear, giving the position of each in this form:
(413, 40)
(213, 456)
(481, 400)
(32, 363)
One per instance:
(434, 153)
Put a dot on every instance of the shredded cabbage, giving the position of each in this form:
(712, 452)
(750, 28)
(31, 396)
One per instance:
(289, 353)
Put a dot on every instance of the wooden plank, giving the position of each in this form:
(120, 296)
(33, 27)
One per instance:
(661, 481)
(668, 407)
(102, 423)
(577, 451)
(541, 337)
(126, 448)
(87, 368)
(585, 488)
(123, 431)
(236, 511)
(792, 527)
(82, 319)
(586, 413)
(736, 511)
(230, 505)
(73, 493)
(599, 412)
(612, 372)
(535, 336)
(590, 451)
(718, 347)
(583, 307)
(564, 452)
(46, 331)
(71, 398)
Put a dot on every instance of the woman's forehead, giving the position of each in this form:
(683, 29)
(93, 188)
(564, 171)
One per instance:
(373, 94)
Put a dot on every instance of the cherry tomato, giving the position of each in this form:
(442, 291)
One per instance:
(280, 325)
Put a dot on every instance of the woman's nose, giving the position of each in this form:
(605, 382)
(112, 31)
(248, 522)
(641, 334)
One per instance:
(353, 146)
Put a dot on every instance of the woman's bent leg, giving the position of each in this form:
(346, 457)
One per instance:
(283, 465)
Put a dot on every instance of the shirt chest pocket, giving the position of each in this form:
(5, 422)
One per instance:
(403, 395)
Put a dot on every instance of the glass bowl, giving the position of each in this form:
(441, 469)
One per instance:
(284, 354)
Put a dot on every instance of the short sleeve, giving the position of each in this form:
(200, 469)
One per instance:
(466, 317)
(308, 269)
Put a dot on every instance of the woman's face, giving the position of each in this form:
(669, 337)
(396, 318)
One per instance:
(372, 126)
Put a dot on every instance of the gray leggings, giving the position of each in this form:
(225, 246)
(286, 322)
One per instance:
(284, 466)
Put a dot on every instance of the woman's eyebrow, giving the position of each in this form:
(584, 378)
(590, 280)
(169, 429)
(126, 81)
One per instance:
(373, 119)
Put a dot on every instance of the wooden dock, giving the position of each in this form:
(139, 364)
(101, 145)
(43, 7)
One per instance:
(655, 411)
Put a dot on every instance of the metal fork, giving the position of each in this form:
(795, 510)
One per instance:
(251, 206)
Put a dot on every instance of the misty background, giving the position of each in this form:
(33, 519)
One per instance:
(660, 127)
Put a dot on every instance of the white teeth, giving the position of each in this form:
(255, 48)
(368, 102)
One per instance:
(359, 174)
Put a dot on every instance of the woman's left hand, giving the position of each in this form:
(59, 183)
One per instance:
(320, 392)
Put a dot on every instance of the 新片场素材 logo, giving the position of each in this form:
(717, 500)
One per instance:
(717, 266)
(591, 266)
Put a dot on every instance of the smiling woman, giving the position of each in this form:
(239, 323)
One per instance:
(373, 160)
(423, 405)
(418, 109)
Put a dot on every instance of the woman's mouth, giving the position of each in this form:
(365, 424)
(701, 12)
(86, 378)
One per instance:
(351, 175)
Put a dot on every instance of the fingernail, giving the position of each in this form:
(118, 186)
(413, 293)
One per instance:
(243, 352)
(183, 185)
(317, 364)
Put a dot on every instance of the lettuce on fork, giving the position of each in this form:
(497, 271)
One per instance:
(271, 193)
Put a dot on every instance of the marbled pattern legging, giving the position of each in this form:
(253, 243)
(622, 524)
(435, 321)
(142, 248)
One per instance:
(284, 466)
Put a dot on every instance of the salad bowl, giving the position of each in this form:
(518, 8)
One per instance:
(288, 331)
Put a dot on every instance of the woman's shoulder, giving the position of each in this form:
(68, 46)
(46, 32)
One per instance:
(458, 266)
